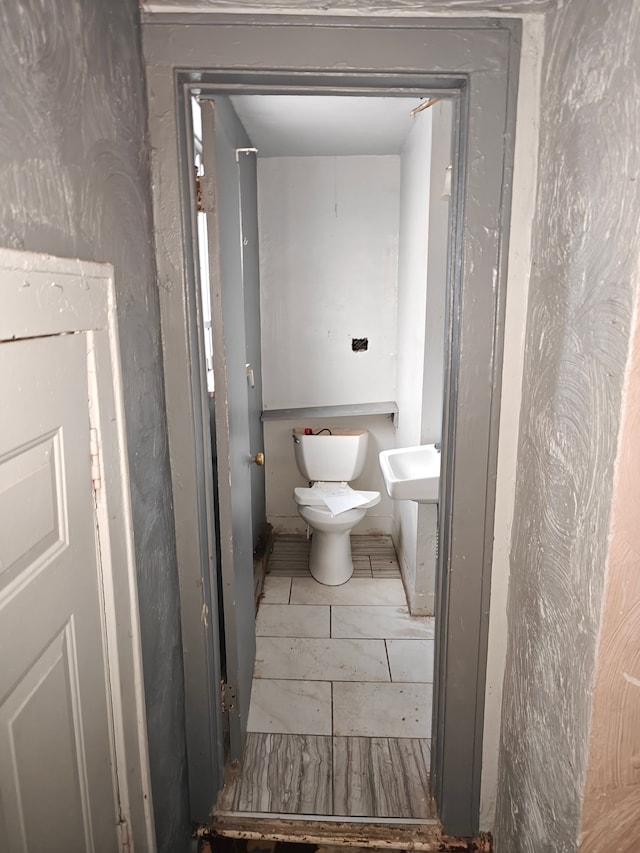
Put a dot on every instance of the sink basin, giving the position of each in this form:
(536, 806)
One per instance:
(412, 473)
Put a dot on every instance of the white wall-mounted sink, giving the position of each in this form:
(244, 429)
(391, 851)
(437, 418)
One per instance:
(412, 473)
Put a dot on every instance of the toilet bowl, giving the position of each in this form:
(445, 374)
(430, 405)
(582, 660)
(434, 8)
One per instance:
(330, 507)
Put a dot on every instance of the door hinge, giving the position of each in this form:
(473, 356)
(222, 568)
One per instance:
(228, 692)
(198, 191)
(205, 194)
(94, 450)
(123, 836)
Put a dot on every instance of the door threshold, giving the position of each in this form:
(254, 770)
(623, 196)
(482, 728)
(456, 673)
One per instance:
(387, 833)
(322, 818)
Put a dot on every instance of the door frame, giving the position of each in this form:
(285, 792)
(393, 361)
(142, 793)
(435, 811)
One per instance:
(46, 296)
(476, 61)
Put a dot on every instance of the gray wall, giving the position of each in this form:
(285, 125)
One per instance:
(585, 252)
(74, 181)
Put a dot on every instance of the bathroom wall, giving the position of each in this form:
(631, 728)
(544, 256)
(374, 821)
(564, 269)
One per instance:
(412, 306)
(437, 262)
(586, 254)
(422, 287)
(328, 261)
(75, 182)
(415, 172)
(328, 267)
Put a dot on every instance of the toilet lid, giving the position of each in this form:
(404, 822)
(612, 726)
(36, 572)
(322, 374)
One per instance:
(315, 496)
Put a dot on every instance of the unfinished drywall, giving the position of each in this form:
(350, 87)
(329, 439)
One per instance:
(74, 181)
(328, 266)
(585, 254)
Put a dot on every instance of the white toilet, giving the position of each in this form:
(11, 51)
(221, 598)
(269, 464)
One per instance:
(329, 459)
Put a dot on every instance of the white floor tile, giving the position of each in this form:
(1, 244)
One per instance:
(382, 710)
(376, 591)
(321, 660)
(411, 660)
(290, 707)
(382, 622)
(276, 590)
(293, 620)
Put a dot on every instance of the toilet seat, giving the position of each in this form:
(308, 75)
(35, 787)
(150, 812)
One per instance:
(313, 496)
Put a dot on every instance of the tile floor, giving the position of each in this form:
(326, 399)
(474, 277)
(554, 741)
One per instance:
(340, 714)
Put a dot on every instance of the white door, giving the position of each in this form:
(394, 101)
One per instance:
(63, 786)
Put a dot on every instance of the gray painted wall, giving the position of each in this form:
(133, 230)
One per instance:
(353, 6)
(74, 181)
(586, 248)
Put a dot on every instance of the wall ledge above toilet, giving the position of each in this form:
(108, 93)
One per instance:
(347, 410)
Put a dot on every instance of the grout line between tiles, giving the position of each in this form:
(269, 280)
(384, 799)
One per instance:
(333, 767)
(332, 726)
(386, 650)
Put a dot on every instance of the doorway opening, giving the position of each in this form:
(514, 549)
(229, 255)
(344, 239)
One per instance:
(328, 219)
(476, 63)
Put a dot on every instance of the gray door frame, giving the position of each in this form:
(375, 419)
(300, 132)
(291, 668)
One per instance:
(476, 62)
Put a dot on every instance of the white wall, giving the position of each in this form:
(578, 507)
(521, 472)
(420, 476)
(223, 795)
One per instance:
(412, 305)
(412, 277)
(433, 393)
(328, 252)
(422, 288)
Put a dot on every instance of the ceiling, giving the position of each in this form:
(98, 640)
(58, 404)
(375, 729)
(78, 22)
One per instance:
(325, 125)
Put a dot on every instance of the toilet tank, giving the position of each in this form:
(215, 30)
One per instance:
(334, 458)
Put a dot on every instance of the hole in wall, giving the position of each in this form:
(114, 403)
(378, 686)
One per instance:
(360, 344)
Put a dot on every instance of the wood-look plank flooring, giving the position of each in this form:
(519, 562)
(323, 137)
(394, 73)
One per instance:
(288, 774)
(381, 777)
(308, 769)
(323, 775)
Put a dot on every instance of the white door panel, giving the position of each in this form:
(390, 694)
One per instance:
(57, 773)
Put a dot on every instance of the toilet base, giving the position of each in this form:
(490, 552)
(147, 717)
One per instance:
(330, 560)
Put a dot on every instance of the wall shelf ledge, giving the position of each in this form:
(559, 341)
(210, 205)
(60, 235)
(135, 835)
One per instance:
(343, 411)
